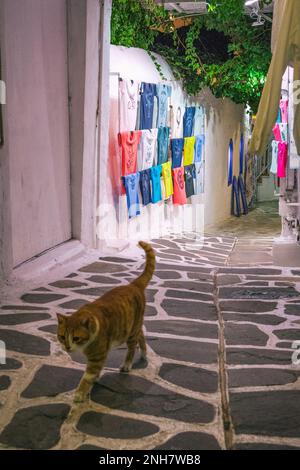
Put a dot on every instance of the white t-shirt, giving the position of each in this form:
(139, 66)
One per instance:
(199, 121)
(199, 177)
(147, 153)
(128, 95)
(176, 122)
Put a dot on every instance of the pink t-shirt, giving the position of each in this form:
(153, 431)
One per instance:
(282, 159)
(277, 132)
(284, 105)
(179, 196)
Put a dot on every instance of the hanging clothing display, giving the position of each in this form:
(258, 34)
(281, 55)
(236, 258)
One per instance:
(156, 186)
(199, 121)
(162, 144)
(235, 198)
(230, 162)
(282, 159)
(176, 152)
(283, 127)
(273, 168)
(128, 99)
(199, 177)
(177, 122)
(129, 144)
(279, 116)
(241, 154)
(179, 196)
(145, 186)
(276, 132)
(188, 150)
(286, 51)
(188, 121)
(131, 183)
(284, 105)
(163, 92)
(147, 151)
(189, 180)
(242, 193)
(147, 93)
(167, 177)
(198, 151)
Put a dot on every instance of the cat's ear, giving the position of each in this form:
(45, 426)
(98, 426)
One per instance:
(60, 318)
(85, 322)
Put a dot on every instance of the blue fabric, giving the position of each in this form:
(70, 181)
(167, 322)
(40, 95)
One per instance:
(242, 192)
(162, 145)
(177, 149)
(279, 116)
(241, 154)
(131, 183)
(235, 198)
(147, 105)
(198, 155)
(188, 121)
(145, 185)
(230, 162)
(163, 92)
(156, 186)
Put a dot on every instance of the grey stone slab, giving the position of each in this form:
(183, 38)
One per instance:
(258, 318)
(137, 395)
(179, 267)
(256, 283)
(190, 285)
(115, 259)
(5, 382)
(284, 345)
(286, 284)
(103, 279)
(114, 427)
(25, 343)
(192, 378)
(168, 274)
(178, 294)
(41, 298)
(258, 293)
(36, 427)
(49, 381)
(288, 334)
(41, 289)
(251, 377)
(250, 306)
(257, 356)
(228, 279)
(191, 441)
(90, 447)
(256, 271)
(170, 257)
(200, 277)
(51, 328)
(19, 318)
(263, 446)
(150, 311)
(183, 328)
(292, 309)
(70, 276)
(186, 309)
(101, 267)
(74, 304)
(187, 351)
(10, 364)
(269, 413)
(245, 334)
(93, 291)
(67, 283)
(24, 308)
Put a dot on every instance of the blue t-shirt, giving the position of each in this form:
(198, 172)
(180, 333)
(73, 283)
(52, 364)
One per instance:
(162, 145)
(131, 183)
(163, 92)
(177, 149)
(145, 178)
(156, 186)
(189, 172)
(198, 155)
(188, 121)
(147, 105)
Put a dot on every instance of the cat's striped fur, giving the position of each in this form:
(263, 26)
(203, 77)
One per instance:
(113, 319)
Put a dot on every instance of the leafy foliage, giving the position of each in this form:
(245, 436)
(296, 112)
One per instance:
(220, 50)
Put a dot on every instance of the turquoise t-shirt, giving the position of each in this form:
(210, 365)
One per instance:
(163, 92)
(156, 186)
(162, 145)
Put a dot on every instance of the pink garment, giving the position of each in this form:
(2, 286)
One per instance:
(282, 159)
(179, 196)
(284, 106)
(277, 133)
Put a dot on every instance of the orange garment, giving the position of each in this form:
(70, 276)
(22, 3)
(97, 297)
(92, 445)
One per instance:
(129, 142)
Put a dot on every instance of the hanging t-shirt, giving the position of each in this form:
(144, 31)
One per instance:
(199, 121)
(189, 180)
(129, 144)
(162, 144)
(168, 182)
(188, 150)
(177, 122)
(156, 186)
(283, 132)
(131, 183)
(145, 186)
(146, 105)
(273, 168)
(279, 116)
(282, 159)
(128, 96)
(163, 92)
(276, 132)
(199, 144)
(188, 121)
(199, 178)
(284, 105)
(147, 152)
(179, 196)
(176, 152)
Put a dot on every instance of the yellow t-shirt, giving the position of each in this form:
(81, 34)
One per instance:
(188, 150)
(167, 177)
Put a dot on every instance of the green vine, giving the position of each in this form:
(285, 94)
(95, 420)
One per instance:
(220, 50)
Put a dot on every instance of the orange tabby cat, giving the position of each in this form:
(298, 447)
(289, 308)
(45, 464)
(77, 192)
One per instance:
(113, 319)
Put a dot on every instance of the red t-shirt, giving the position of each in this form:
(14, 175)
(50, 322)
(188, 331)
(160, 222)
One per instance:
(129, 145)
(179, 196)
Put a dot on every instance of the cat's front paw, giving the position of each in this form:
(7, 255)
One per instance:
(79, 397)
(125, 369)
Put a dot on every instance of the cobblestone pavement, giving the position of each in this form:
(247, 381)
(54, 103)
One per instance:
(219, 375)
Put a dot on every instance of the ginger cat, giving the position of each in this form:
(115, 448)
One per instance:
(115, 318)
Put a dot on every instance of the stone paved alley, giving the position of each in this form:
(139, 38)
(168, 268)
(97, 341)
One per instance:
(220, 372)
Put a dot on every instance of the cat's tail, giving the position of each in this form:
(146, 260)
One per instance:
(146, 276)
